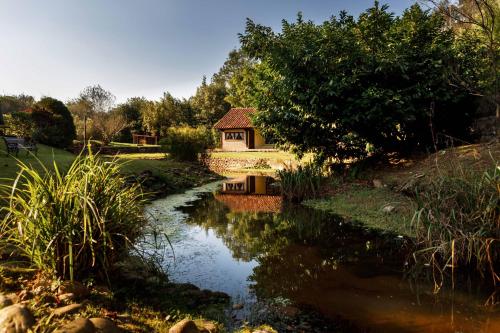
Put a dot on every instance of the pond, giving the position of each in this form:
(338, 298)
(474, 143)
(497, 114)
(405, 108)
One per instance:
(238, 237)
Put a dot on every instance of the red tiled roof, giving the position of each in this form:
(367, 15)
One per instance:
(251, 203)
(236, 118)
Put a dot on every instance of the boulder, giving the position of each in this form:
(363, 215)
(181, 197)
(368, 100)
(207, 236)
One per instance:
(184, 326)
(103, 325)
(5, 301)
(69, 297)
(388, 209)
(238, 306)
(79, 325)
(76, 288)
(72, 308)
(377, 183)
(16, 319)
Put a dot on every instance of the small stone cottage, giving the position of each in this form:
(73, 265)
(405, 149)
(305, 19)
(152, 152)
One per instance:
(238, 132)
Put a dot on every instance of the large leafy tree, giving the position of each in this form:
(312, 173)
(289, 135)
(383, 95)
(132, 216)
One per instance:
(92, 101)
(53, 123)
(12, 104)
(159, 116)
(131, 111)
(209, 102)
(15, 103)
(476, 24)
(334, 87)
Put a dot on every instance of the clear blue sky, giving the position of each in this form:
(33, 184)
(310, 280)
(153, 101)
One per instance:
(135, 47)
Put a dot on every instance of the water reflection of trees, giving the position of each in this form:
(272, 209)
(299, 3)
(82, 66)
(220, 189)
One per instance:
(310, 257)
(297, 245)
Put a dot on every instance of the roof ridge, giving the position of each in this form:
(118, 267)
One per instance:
(236, 118)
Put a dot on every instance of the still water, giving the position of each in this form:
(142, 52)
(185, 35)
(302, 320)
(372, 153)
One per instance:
(237, 237)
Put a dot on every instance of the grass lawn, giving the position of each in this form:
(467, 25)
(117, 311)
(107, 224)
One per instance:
(175, 173)
(178, 175)
(46, 156)
(125, 144)
(364, 204)
(120, 144)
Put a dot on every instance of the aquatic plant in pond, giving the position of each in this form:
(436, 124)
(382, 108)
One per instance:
(76, 224)
(457, 224)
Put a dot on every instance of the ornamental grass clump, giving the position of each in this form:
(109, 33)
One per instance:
(76, 224)
(457, 224)
(301, 183)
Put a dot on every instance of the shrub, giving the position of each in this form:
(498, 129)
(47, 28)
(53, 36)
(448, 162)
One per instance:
(457, 224)
(76, 224)
(19, 124)
(53, 123)
(301, 183)
(185, 143)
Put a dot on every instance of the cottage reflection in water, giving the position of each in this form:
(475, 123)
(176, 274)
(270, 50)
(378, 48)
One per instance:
(251, 194)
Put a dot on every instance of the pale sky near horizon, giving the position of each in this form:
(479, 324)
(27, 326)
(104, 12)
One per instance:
(135, 48)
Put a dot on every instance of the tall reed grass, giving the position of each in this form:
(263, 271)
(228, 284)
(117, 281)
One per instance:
(301, 183)
(76, 224)
(457, 224)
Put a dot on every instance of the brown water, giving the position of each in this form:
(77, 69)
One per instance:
(238, 238)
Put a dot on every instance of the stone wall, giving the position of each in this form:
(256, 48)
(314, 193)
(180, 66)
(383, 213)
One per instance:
(221, 165)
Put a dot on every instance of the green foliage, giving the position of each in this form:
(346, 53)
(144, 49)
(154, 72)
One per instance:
(19, 124)
(358, 203)
(76, 224)
(185, 143)
(237, 76)
(169, 111)
(209, 102)
(457, 224)
(53, 123)
(9, 104)
(301, 183)
(334, 87)
(131, 111)
(97, 99)
(15, 104)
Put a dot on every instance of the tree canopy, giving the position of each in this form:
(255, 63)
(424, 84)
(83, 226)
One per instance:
(333, 88)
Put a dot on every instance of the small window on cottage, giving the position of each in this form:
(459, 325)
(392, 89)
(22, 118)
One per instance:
(234, 187)
(234, 135)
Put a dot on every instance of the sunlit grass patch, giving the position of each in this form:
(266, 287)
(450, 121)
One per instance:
(46, 155)
(142, 156)
(378, 208)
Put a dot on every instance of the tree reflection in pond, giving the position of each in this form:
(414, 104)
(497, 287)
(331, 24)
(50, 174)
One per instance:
(314, 259)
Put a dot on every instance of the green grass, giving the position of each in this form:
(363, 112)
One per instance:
(47, 155)
(178, 175)
(120, 144)
(126, 144)
(365, 204)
